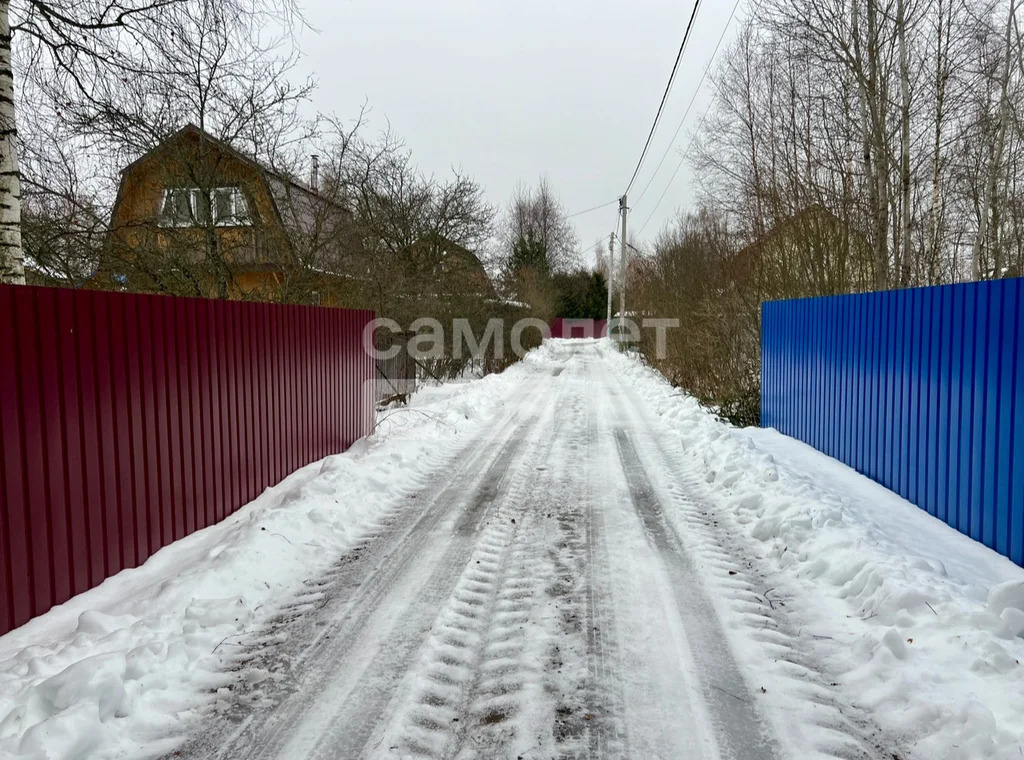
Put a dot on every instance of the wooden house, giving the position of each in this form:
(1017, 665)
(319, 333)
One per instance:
(196, 216)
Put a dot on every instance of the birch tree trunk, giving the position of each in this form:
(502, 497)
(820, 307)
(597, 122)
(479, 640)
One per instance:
(876, 109)
(935, 210)
(872, 127)
(12, 269)
(996, 155)
(901, 30)
(863, 103)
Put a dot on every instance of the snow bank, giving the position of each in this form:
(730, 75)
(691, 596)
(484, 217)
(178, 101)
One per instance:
(118, 669)
(921, 626)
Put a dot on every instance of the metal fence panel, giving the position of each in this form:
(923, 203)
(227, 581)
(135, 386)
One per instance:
(561, 327)
(128, 421)
(922, 390)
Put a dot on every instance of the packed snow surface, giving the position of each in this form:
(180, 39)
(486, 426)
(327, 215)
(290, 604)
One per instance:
(570, 559)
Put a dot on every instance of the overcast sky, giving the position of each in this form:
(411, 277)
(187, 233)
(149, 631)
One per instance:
(509, 90)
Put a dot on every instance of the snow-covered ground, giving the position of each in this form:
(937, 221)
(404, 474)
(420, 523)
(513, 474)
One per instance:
(571, 559)
(116, 670)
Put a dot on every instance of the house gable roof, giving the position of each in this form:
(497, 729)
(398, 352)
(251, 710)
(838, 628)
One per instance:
(294, 202)
(225, 147)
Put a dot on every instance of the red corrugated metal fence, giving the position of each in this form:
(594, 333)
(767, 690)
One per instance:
(129, 421)
(578, 328)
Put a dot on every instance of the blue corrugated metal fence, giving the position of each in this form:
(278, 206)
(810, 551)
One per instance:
(921, 390)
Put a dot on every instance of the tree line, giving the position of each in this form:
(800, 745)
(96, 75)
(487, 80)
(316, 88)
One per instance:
(851, 145)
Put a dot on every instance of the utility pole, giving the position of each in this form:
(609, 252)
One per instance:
(610, 276)
(622, 259)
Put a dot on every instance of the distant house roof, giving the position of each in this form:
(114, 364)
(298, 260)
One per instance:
(202, 134)
(444, 260)
(814, 214)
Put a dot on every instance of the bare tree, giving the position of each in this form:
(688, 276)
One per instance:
(536, 226)
(904, 251)
(988, 215)
(119, 76)
(83, 44)
(64, 222)
(854, 145)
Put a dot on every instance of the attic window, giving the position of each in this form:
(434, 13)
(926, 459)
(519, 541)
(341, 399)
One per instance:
(192, 207)
(229, 206)
(177, 207)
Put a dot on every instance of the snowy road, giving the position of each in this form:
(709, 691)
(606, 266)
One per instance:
(535, 600)
(569, 559)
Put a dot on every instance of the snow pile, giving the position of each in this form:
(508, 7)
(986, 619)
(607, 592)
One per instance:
(118, 669)
(921, 626)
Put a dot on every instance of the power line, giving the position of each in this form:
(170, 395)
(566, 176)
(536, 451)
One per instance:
(689, 106)
(597, 243)
(696, 130)
(682, 157)
(664, 97)
(593, 208)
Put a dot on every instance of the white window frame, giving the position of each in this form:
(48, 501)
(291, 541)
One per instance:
(235, 220)
(194, 193)
(166, 221)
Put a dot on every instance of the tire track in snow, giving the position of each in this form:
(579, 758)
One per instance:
(503, 687)
(467, 689)
(344, 715)
(344, 615)
(740, 730)
(843, 731)
(608, 735)
(465, 696)
(581, 706)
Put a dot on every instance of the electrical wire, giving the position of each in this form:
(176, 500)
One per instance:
(593, 208)
(598, 242)
(696, 130)
(682, 157)
(664, 97)
(689, 106)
